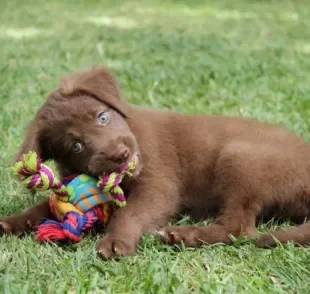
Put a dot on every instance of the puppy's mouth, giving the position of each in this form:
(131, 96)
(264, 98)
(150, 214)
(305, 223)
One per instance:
(99, 166)
(133, 172)
(136, 158)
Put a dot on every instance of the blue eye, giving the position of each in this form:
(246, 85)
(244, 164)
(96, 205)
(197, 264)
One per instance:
(76, 147)
(103, 118)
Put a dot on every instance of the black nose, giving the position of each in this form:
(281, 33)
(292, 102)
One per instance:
(121, 154)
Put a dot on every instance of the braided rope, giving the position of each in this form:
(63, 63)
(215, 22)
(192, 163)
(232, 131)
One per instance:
(39, 177)
(110, 183)
(71, 227)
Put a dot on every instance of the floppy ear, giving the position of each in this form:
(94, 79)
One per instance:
(32, 142)
(98, 83)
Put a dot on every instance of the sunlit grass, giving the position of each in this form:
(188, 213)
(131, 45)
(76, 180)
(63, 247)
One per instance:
(20, 33)
(118, 22)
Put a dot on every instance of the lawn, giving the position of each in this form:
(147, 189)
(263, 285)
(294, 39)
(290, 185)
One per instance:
(245, 58)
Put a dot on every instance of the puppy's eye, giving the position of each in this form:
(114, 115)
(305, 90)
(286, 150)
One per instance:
(103, 118)
(76, 147)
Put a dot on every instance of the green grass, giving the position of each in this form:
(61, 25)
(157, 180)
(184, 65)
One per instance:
(246, 58)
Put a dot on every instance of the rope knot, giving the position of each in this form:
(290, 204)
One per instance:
(38, 176)
(110, 182)
(71, 227)
(34, 174)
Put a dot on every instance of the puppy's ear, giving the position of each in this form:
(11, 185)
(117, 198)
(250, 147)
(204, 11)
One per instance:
(32, 142)
(98, 83)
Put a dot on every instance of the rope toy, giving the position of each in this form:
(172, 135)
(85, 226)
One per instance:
(78, 202)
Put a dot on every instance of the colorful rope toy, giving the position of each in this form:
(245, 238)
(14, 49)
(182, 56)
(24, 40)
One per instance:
(78, 202)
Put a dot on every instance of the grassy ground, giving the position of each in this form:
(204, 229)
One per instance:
(247, 58)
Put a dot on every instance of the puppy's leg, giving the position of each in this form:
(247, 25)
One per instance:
(299, 235)
(149, 206)
(234, 220)
(241, 196)
(31, 217)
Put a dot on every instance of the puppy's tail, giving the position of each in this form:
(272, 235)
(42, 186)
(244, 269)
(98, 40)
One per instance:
(299, 235)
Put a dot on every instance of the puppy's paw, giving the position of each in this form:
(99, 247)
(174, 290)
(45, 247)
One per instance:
(189, 235)
(109, 247)
(266, 241)
(14, 224)
(5, 227)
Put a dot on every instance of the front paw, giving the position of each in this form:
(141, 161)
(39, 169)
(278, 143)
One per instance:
(111, 247)
(14, 225)
(5, 227)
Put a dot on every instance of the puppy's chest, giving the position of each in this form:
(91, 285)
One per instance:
(200, 203)
(197, 197)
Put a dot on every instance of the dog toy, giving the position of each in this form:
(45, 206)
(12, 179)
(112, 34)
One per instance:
(78, 202)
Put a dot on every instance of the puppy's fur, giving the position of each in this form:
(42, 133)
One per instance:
(233, 169)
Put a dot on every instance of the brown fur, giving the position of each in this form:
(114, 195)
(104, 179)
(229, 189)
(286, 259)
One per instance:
(234, 169)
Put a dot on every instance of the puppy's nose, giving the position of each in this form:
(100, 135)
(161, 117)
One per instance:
(121, 154)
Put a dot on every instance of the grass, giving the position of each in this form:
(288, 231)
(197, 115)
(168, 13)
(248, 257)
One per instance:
(246, 58)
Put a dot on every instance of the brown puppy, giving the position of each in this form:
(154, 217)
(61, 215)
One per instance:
(230, 168)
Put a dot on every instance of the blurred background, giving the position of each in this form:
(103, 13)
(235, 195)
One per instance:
(240, 57)
(248, 58)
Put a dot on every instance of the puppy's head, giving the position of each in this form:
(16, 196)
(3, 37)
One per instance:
(83, 126)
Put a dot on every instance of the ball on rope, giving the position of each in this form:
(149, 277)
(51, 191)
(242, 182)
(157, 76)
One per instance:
(78, 202)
